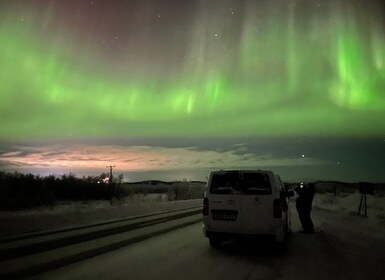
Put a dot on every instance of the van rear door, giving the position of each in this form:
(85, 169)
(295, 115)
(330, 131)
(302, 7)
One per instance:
(224, 203)
(256, 202)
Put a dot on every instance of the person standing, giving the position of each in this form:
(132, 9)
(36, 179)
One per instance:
(304, 205)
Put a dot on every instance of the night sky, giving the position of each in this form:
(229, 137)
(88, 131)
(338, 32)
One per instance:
(173, 89)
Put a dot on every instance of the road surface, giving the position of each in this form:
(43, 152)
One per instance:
(341, 248)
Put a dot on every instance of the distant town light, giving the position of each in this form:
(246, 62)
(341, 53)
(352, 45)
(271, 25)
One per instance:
(106, 180)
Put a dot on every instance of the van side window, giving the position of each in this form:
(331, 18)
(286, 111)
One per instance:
(255, 183)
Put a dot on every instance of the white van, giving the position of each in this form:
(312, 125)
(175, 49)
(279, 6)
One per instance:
(245, 203)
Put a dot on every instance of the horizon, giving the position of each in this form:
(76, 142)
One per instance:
(166, 176)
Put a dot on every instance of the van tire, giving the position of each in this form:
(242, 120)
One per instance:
(215, 242)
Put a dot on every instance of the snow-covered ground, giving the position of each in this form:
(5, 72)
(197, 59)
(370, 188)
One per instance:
(70, 213)
(345, 246)
(345, 203)
(345, 209)
(349, 202)
(67, 214)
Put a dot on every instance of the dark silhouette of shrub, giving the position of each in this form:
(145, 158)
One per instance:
(21, 191)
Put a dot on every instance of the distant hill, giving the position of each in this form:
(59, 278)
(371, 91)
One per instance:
(336, 186)
(159, 182)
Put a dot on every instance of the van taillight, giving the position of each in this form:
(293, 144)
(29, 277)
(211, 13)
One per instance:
(205, 211)
(277, 209)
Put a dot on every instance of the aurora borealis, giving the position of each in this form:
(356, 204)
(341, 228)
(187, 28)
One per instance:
(193, 85)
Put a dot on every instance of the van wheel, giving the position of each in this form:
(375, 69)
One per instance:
(215, 242)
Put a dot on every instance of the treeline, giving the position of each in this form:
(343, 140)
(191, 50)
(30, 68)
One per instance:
(23, 191)
(19, 191)
(174, 190)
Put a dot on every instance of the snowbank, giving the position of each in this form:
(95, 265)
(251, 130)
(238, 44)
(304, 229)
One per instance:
(345, 208)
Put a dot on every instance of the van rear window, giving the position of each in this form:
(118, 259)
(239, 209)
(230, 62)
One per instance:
(234, 182)
(225, 183)
(255, 183)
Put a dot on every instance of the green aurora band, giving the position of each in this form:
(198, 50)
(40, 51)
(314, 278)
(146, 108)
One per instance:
(285, 75)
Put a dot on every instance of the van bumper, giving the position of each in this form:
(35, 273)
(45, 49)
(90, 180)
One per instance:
(228, 236)
(278, 234)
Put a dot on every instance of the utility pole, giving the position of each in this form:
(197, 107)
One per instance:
(110, 184)
(110, 178)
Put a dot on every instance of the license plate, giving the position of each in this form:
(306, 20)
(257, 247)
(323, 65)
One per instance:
(224, 217)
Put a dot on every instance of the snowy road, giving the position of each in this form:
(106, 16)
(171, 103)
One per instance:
(340, 249)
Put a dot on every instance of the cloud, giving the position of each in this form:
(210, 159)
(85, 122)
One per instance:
(142, 158)
(11, 154)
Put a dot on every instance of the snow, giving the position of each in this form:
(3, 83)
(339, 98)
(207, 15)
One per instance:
(345, 246)
(346, 201)
(345, 207)
(335, 251)
(70, 213)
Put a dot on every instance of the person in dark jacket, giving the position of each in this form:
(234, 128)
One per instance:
(304, 204)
